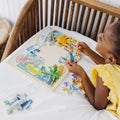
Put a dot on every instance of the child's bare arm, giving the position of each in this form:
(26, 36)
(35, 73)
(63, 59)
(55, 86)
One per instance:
(93, 55)
(101, 94)
(97, 96)
(96, 58)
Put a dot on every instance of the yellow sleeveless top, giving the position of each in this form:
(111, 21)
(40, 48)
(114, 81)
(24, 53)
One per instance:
(110, 75)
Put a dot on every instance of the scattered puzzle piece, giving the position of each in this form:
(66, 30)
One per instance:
(18, 103)
(76, 85)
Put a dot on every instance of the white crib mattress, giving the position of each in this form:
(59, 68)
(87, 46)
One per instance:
(48, 105)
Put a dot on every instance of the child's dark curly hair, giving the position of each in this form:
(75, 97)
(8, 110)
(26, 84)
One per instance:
(116, 40)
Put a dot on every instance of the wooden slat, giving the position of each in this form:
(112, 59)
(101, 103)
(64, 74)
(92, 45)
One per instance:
(33, 20)
(22, 33)
(19, 39)
(71, 15)
(100, 6)
(29, 21)
(46, 12)
(61, 12)
(52, 12)
(112, 20)
(81, 18)
(22, 38)
(16, 44)
(66, 14)
(56, 12)
(76, 17)
(41, 14)
(37, 16)
(25, 30)
(97, 26)
(86, 21)
(91, 23)
(104, 23)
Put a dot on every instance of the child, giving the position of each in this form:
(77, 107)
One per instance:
(105, 75)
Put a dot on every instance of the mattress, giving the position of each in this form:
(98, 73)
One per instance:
(47, 104)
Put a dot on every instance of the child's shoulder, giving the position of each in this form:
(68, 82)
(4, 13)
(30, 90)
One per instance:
(101, 67)
(107, 67)
(105, 71)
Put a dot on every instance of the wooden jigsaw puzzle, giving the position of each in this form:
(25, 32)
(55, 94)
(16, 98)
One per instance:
(43, 57)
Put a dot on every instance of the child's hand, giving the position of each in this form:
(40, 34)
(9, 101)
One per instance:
(74, 67)
(84, 48)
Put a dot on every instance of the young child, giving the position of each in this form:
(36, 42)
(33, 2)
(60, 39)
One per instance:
(105, 75)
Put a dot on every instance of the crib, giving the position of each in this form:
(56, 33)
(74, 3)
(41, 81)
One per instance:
(88, 17)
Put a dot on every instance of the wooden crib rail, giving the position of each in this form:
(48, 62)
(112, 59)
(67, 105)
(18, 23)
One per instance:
(88, 17)
(100, 6)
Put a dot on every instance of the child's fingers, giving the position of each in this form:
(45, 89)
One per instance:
(76, 62)
(80, 48)
(70, 61)
(68, 66)
(67, 62)
(80, 45)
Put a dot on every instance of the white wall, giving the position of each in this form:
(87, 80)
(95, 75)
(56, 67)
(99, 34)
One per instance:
(10, 9)
(115, 3)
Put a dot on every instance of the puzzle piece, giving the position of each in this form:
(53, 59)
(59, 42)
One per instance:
(17, 98)
(19, 103)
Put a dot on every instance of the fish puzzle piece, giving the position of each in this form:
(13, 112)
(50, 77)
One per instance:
(34, 52)
(25, 105)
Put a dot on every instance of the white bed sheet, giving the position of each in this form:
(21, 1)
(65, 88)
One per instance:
(48, 105)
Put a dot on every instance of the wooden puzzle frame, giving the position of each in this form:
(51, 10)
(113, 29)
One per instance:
(23, 47)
